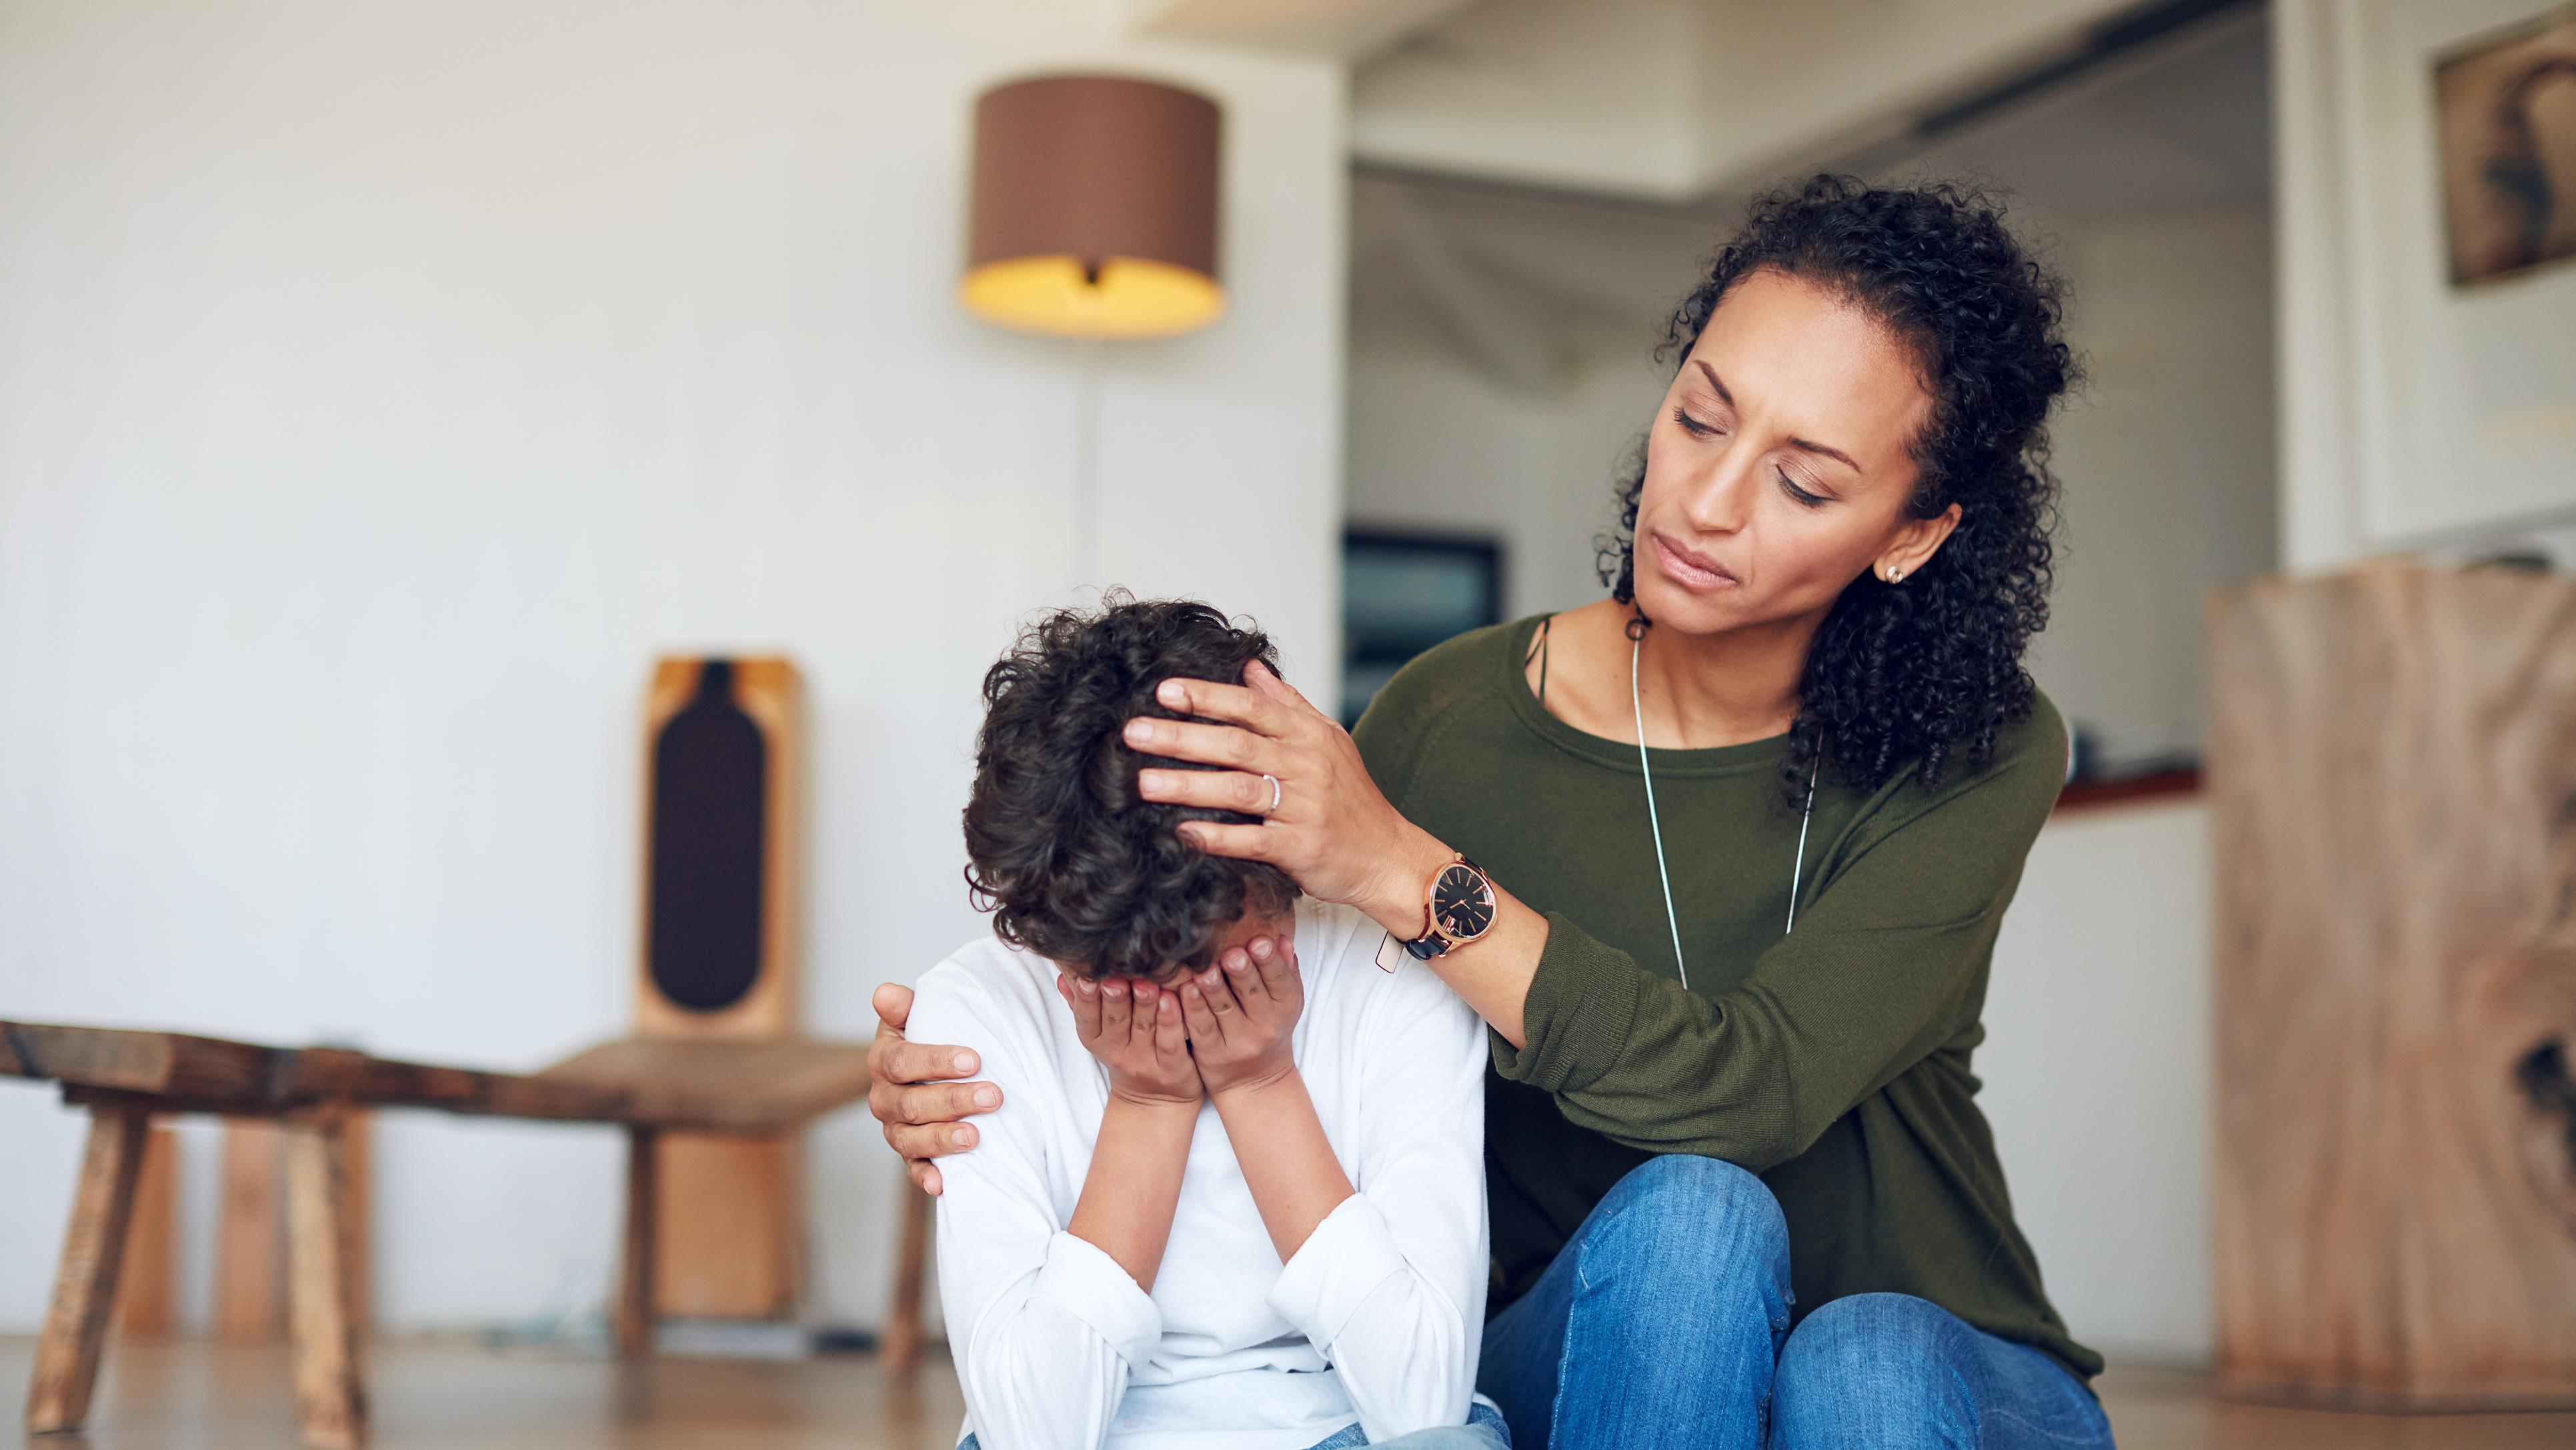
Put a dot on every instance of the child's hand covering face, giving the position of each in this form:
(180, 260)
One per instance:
(1134, 1028)
(1239, 1013)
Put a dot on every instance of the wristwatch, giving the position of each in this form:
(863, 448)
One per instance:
(1459, 907)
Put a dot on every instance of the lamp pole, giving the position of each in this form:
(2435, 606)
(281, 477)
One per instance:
(1093, 217)
(1086, 461)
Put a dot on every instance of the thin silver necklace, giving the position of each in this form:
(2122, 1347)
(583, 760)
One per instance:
(1672, 919)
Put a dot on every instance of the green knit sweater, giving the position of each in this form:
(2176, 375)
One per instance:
(1832, 1061)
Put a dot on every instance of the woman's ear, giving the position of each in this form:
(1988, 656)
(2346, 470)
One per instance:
(1916, 541)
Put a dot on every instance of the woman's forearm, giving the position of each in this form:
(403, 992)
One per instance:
(1287, 1162)
(1491, 974)
(1127, 1199)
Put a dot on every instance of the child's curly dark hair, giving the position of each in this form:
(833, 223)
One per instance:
(1072, 864)
(1913, 672)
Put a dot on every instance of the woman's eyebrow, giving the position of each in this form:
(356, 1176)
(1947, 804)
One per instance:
(1834, 453)
(1803, 444)
(1715, 381)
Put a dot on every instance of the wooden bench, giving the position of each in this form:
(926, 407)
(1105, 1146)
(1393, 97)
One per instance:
(126, 1078)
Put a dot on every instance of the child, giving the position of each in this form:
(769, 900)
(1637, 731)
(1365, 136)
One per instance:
(1233, 1198)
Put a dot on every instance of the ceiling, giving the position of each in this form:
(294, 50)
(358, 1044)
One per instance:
(1350, 30)
(1673, 101)
(2184, 124)
(1532, 284)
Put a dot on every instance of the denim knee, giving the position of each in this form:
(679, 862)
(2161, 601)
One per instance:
(1874, 1370)
(1694, 1218)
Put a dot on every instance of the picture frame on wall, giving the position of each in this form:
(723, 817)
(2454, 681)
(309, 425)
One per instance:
(2506, 106)
(2453, 406)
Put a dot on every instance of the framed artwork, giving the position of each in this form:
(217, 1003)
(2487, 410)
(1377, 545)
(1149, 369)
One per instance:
(2505, 104)
(1402, 593)
(2442, 389)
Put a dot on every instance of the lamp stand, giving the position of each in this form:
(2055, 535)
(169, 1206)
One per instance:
(1086, 462)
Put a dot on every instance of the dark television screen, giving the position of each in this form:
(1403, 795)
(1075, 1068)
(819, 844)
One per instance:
(1403, 593)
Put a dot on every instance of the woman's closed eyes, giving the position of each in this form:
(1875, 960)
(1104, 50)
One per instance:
(1699, 427)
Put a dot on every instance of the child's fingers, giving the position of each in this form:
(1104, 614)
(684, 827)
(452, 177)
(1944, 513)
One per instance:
(1241, 975)
(1198, 1015)
(1232, 1010)
(1149, 1006)
(1276, 957)
(1113, 1008)
(1171, 1039)
(1084, 998)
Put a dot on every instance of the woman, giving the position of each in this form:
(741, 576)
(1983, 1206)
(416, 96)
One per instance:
(1749, 828)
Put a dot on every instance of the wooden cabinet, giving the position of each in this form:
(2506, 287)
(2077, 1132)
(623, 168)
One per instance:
(2392, 776)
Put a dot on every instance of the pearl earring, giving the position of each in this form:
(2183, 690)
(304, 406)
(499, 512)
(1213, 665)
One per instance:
(1895, 574)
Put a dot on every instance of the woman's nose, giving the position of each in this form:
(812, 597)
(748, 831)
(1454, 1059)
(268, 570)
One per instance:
(1720, 501)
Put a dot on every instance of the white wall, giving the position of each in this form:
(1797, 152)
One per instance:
(2097, 1069)
(1433, 448)
(2167, 462)
(1501, 368)
(382, 387)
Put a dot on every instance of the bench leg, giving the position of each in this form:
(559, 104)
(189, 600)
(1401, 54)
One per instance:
(85, 1284)
(321, 1242)
(903, 1324)
(643, 1223)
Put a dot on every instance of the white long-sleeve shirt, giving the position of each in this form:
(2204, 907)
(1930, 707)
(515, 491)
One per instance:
(1375, 1319)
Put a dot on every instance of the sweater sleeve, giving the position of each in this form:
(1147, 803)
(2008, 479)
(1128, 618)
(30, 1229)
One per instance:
(1874, 978)
(1046, 1326)
(1391, 1285)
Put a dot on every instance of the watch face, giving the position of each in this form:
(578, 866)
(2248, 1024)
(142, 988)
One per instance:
(1461, 903)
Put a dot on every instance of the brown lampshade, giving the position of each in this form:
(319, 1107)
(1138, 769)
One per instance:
(1095, 204)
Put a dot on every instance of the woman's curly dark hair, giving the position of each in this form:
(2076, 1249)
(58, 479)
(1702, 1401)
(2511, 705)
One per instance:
(1072, 864)
(1911, 672)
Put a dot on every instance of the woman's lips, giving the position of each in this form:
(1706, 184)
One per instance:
(1690, 569)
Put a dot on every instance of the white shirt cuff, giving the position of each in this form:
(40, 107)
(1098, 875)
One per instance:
(1082, 1280)
(1345, 1260)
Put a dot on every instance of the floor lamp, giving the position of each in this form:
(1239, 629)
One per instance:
(1094, 218)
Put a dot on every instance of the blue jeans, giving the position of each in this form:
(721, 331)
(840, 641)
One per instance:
(1483, 1431)
(1665, 1322)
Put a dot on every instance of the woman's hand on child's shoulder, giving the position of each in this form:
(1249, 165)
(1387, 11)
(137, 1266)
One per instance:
(1134, 1028)
(1240, 1012)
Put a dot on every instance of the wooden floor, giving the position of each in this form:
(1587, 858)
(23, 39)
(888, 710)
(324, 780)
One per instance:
(196, 1396)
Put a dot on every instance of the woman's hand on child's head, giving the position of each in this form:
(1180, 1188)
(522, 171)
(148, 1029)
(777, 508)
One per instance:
(1240, 1012)
(1134, 1028)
